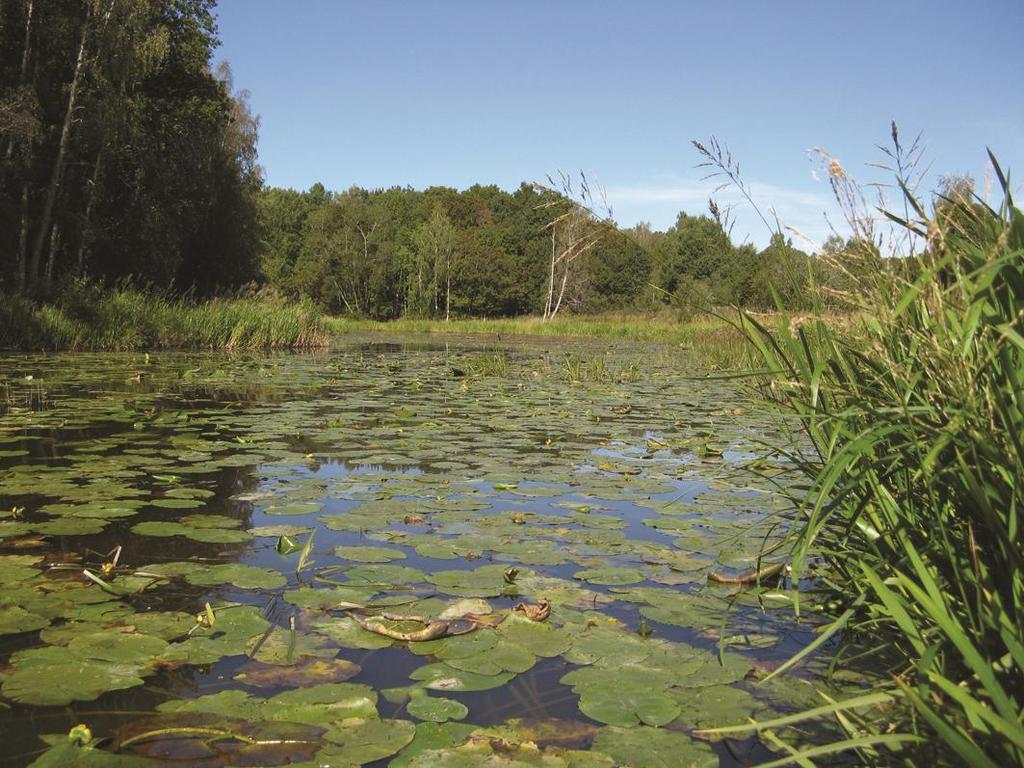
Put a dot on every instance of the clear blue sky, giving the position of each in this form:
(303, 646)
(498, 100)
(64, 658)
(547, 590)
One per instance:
(378, 93)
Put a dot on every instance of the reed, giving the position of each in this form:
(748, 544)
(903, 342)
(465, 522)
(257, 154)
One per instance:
(912, 516)
(89, 317)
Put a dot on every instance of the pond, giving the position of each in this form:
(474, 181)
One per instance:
(206, 559)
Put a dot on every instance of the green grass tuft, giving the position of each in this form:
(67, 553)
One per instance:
(88, 317)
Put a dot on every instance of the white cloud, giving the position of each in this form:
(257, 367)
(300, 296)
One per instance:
(659, 202)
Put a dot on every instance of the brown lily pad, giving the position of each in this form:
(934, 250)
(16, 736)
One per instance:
(309, 670)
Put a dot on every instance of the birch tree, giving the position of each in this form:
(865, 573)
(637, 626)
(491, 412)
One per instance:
(434, 243)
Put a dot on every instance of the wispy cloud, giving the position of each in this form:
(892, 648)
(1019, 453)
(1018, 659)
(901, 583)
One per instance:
(660, 201)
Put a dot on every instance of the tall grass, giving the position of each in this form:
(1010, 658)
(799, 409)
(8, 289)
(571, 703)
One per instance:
(916, 482)
(90, 317)
(711, 342)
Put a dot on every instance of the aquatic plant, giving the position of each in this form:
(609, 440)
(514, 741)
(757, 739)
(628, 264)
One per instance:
(916, 481)
(260, 529)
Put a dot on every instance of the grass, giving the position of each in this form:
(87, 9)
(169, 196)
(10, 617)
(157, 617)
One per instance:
(712, 342)
(913, 512)
(89, 317)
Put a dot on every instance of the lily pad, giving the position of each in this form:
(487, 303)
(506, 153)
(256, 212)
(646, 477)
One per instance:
(441, 677)
(358, 741)
(15, 619)
(436, 709)
(610, 576)
(643, 747)
(429, 737)
(369, 554)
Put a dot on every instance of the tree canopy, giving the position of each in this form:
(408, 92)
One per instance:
(124, 153)
(128, 156)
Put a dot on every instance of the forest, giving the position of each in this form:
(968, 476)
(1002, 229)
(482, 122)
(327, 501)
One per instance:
(130, 160)
(125, 156)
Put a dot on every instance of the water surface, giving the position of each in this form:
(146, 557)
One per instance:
(606, 480)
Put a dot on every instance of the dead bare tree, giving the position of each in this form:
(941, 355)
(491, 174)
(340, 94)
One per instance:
(575, 228)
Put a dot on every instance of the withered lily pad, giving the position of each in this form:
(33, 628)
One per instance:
(309, 670)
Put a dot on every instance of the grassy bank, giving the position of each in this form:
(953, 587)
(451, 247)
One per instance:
(916, 489)
(713, 342)
(117, 319)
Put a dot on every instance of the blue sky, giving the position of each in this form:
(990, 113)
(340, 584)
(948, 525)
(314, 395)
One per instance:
(378, 93)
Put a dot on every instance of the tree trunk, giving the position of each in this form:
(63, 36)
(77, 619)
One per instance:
(448, 286)
(86, 234)
(54, 239)
(58, 165)
(551, 278)
(23, 237)
(26, 54)
(434, 281)
(561, 292)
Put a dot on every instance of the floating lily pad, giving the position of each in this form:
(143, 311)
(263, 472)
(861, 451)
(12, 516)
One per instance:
(369, 554)
(238, 575)
(441, 677)
(296, 508)
(436, 709)
(610, 576)
(654, 748)
(429, 737)
(309, 670)
(52, 675)
(15, 619)
(357, 741)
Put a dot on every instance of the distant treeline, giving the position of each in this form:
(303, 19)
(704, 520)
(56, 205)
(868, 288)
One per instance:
(126, 158)
(403, 252)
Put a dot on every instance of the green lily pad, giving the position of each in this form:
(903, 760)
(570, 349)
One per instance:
(358, 741)
(50, 676)
(15, 619)
(503, 657)
(608, 646)
(234, 629)
(644, 747)
(430, 737)
(369, 554)
(348, 633)
(238, 575)
(441, 677)
(296, 508)
(436, 709)
(71, 752)
(610, 576)
(539, 638)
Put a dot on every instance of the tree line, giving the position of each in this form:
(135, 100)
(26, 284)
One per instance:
(539, 249)
(127, 156)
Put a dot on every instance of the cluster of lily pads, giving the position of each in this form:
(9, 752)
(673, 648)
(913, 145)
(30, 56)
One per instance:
(262, 509)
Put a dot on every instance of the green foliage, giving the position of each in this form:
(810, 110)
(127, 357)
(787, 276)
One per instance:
(917, 476)
(84, 316)
(127, 156)
(694, 248)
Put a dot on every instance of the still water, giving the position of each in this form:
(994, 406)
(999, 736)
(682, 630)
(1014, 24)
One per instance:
(197, 551)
